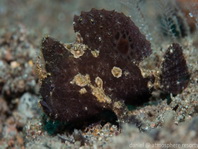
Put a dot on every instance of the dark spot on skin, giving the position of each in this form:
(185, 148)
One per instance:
(129, 39)
(124, 36)
(131, 54)
(123, 46)
(131, 45)
(117, 36)
(128, 57)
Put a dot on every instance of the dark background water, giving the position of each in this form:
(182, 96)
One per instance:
(53, 17)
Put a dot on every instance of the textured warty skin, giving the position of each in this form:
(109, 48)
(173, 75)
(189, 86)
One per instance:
(100, 69)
